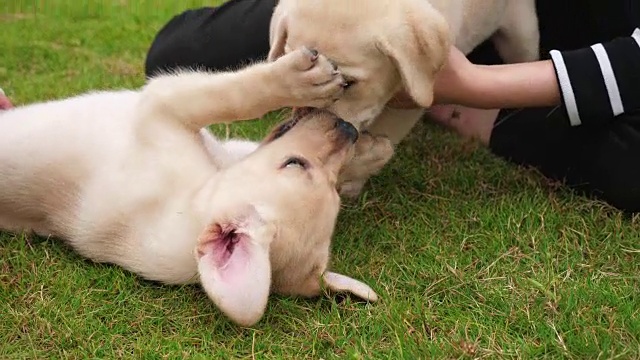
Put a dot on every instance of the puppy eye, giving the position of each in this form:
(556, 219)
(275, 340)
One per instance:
(348, 83)
(295, 162)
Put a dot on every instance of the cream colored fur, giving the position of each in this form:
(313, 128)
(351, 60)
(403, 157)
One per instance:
(131, 178)
(387, 45)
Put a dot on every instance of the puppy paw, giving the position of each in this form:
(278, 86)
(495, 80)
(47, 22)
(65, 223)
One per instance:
(351, 189)
(372, 153)
(308, 79)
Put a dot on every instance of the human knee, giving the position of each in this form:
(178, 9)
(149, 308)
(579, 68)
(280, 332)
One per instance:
(170, 47)
(621, 193)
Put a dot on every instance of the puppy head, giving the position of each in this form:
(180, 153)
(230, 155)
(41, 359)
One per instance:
(379, 46)
(273, 218)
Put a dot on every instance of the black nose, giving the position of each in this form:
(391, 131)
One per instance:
(347, 129)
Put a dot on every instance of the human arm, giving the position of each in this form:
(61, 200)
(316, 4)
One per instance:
(491, 86)
(574, 79)
(496, 86)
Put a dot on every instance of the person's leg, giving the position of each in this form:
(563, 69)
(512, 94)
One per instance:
(601, 161)
(226, 37)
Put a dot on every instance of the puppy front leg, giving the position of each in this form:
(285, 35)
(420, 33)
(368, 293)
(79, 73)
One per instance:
(374, 150)
(198, 99)
(372, 153)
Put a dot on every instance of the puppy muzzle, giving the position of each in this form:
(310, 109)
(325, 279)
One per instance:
(347, 129)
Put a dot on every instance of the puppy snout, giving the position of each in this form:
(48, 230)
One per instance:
(347, 129)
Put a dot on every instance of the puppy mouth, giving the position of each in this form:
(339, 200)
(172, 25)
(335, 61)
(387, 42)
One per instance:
(300, 112)
(284, 128)
(344, 128)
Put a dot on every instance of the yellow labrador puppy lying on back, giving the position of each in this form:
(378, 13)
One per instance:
(130, 178)
(383, 46)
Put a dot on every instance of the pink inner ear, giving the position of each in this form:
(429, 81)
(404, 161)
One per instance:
(227, 250)
(235, 272)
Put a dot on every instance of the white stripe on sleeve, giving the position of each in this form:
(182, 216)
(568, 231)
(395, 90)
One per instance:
(636, 36)
(566, 88)
(609, 78)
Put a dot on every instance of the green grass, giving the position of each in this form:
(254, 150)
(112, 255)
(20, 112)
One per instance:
(472, 257)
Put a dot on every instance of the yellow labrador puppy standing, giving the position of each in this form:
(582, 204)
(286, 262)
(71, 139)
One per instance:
(130, 178)
(382, 46)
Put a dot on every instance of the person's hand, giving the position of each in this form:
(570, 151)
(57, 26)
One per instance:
(454, 79)
(5, 104)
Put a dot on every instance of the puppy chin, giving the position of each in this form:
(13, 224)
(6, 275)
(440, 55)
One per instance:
(363, 119)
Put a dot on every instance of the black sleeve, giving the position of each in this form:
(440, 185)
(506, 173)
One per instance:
(600, 82)
(226, 37)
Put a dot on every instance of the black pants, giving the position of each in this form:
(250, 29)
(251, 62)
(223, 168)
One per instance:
(602, 161)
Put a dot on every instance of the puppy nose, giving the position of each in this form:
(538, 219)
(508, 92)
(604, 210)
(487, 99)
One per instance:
(347, 129)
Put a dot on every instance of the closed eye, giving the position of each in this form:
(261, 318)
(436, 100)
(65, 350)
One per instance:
(295, 162)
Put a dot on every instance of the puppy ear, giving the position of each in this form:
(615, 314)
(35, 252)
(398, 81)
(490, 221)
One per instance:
(277, 34)
(419, 49)
(340, 283)
(234, 267)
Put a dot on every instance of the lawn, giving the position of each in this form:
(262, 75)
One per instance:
(472, 257)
